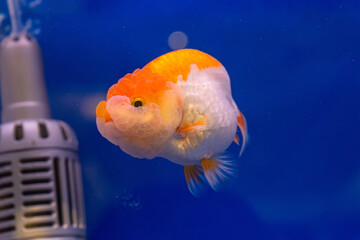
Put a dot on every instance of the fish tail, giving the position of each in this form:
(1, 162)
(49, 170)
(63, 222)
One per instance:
(194, 179)
(217, 170)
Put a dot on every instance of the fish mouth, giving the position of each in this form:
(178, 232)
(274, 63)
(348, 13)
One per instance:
(105, 108)
(119, 107)
(101, 112)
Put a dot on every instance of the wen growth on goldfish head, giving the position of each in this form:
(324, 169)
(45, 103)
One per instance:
(142, 112)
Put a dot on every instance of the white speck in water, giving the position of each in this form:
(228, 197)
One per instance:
(129, 201)
(177, 40)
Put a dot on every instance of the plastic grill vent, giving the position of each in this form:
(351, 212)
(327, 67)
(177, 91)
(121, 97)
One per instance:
(7, 215)
(42, 183)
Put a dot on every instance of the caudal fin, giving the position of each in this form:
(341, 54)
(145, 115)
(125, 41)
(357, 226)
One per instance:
(193, 177)
(217, 170)
(214, 170)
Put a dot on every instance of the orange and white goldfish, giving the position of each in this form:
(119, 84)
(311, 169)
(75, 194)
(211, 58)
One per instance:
(179, 107)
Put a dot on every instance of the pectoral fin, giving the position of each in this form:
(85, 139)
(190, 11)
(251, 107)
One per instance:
(236, 139)
(241, 122)
(198, 126)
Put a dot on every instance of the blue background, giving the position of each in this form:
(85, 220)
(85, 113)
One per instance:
(295, 71)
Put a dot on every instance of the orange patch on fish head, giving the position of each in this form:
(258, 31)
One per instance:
(141, 87)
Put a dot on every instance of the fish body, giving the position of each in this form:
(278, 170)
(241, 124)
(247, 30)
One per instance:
(178, 107)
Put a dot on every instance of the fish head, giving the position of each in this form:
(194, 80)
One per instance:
(142, 111)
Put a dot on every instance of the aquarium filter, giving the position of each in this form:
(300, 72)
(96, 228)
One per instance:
(40, 182)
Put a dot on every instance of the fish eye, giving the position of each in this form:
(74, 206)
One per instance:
(137, 102)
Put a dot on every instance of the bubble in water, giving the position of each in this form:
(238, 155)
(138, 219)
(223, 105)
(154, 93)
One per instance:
(4, 26)
(34, 3)
(177, 40)
(30, 16)
(26, 20)
(32, 26)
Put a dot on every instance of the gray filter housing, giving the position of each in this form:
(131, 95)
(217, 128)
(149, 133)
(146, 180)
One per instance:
(40, 182)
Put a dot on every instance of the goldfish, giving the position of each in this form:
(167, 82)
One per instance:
(178, 107)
